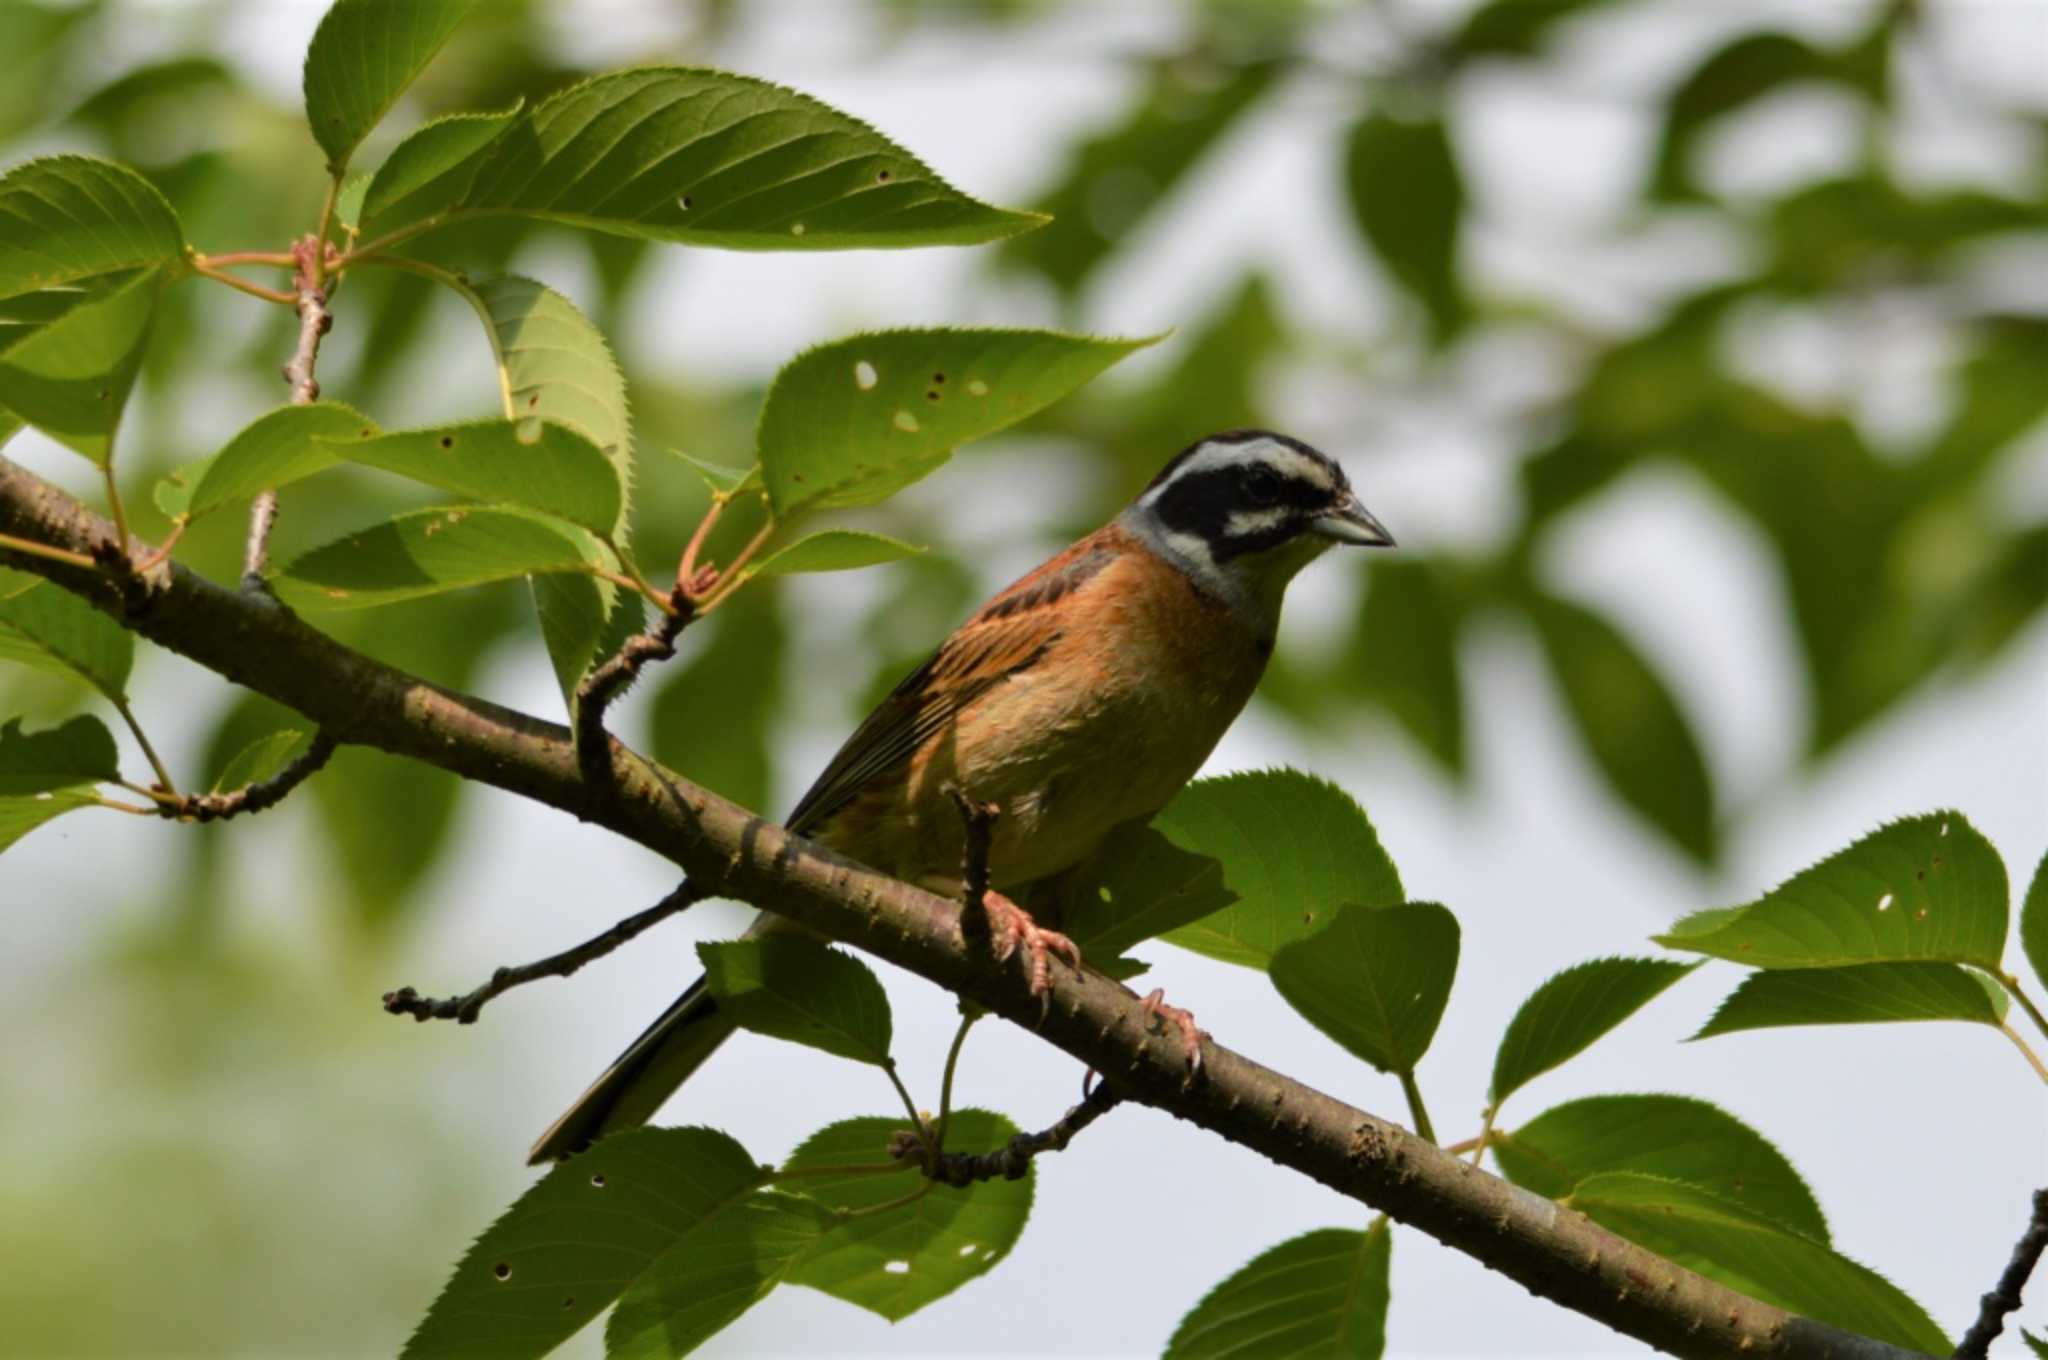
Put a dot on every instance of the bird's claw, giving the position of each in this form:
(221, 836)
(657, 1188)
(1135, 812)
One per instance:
(1012, 930)
(1191, 1036)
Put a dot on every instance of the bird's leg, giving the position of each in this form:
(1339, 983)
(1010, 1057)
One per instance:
(1191, 1036)
(1012, 930)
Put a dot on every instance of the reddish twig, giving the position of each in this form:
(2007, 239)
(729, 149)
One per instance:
(314, 322)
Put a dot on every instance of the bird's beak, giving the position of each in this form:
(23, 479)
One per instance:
(1351, 522)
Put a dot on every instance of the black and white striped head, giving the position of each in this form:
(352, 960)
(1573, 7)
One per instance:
(1246, 509)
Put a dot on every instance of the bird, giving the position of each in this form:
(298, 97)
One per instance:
(1077, 700)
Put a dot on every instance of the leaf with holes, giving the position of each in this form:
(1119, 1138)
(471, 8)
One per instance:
(857, 420)
(47, 627)
(77, 752)
(797, 989)
(64, 219)
(1858, 994)
(430, 169)
(276, 449)
(1723, 1241)
(1137, 886)
(1408, 199)
(362, 57)
(431, 552)
(533, 463)
(584, 1234)
(2034, 920)
(1322, 1294)
(714, 1275)
(262, 759)
(1674, 1137)
(1927, 887)
(1375, 979)
(834, 550)
(1294, 848)
(70, 378)
(1563, 1017)
(896, 1262)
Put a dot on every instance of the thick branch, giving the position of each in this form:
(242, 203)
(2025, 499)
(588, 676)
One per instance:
(2005, 1299)
(1551, 1250)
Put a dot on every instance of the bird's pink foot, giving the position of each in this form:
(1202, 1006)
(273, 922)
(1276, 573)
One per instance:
(1011, 929)
(1191, 1035)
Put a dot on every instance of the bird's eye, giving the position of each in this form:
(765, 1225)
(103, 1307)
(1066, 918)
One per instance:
(1261, 486)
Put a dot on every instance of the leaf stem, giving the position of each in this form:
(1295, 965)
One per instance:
(634, 579)
(1416, 1109)
(317, 264)
(910, 1106)
(967, 1019)
(2031, 1056)
(361, 254)
(280, 259)
(913, 1197)
(163, 776)
(1477, 1146)
(119, 806)
(120, 515)
(31, 548)
(860, 1169)
(2011, 983)
(202, 267)
(686, 569)
(732, 577)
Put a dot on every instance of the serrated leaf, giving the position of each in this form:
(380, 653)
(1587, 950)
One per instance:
(710, 158)
(1405, 655)
(70, 378)
(1721, 1240)
(719, 479)
(580, 1237)
(1323, 1294)
(2034, 920)
(276, 449)
(362, 57)
(1408, 199)
(1633, 728)
(534, 463)
(80, 751)
(45, 626)
(1674, 1137)
(1859, 994)
(834, 550)
(261, 759)
(1564, 1016)
(794, 988)
(1375, 979)
(1294, 848)
(1928, 887)
(854, 421)
(68, 218)
(895, 1263)
(435, 162)
(431, 552)
(1137, 886)
(713, 1276)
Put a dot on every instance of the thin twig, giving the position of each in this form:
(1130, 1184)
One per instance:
(979, 819)
(608, 680)
(257, 797)
(163, 775)
(1010, 1161)
(463, 1009)
(2005, 1299)
(314, 322)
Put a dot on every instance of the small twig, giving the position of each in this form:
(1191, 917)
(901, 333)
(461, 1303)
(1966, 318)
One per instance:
(463, 1009)
(1012, 1159)
(1416, 1109)
(314, 322)
(980, 821)
(608, 680)
(2005, 1299)
(257, 797)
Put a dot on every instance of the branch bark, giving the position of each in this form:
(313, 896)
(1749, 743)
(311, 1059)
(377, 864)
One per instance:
(2005, 1297)
(310, 300)
(1553, 1251)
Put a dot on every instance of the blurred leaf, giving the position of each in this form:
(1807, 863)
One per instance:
(1928, 887)
(1408, 198)
(797, 989)
(1322, 1294)
(1632, 726)
(1214, 385)
(435, 163)
(1562, 1018)
(1745, 70)
(895, 1263)
(2034, 921)
(1139, 884)
(64, 219)
(362, 57)
(2034, 1343)
(854, 421)
(1404, 654)
(1294, 849)
(429, 552)
(22, 814)
(47, 627)
(261, 759)
(1115, 177)
(581, 1236)
(1514, 27)
(78, 752)
(1858, 994)
(718, 1272)
(711, 718)
(70, 378)
(833, 550)
(348, 204)
(37, 39)
(2000, 398)
(1721, 1240)
(1375, 979)
(1674, 1138)
(532, 462)
(1864, 230)
(276, 449)
(710, 158)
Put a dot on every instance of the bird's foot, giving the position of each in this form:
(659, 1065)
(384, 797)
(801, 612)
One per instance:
(1191, 1035)
(1012, 931)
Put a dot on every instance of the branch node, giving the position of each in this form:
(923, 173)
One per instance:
(256, 797)
(608, 680)
(2004, 1298)
(1013, 1159)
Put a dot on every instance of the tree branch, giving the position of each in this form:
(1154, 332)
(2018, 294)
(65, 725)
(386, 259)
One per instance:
(1993, 1308)
(1010, 1161)
(257, 797)
(314, 322)
(1553, 1251)
(611, 678)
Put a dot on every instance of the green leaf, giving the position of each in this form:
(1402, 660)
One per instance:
(1375, 979)
(1927, 887)
(2034, 920)
(1674, 1137)
(895, 1263)
(714, 159)
(434, 165)
(1859, 994)
(1721, 1240)
(431, 552)
(47, 627)
(1408, 199)
(80, 751)
(794, 988)
(1745, 70)
(719, 479)
(533, 463)
(64, 219)
(348, 204)
(362, 57)
(854, 421)
(22, 814)
(1323, 1294)
(276, 449)
(834, 550)
(70, 378)
(261, 759)
(1563, 1017)
(1632, 726)
(581, 1236)
(1514, 27)
(720, 1271)
(1139, 885)
(2034, 1343)
(1405, 655)
(1294, 849)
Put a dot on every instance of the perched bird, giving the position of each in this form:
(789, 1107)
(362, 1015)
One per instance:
(1079, 699)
